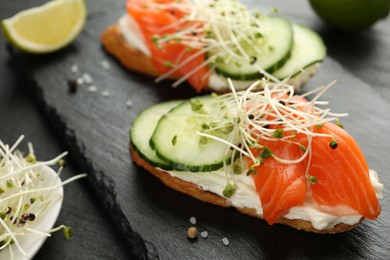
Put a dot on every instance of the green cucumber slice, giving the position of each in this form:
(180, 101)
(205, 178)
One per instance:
(143, 128)
(176, 141)
(275, 47)
(308, 49)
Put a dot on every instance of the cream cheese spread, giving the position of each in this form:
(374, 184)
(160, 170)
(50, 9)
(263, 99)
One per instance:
(134, 37)
(131, 32)
(247, 197)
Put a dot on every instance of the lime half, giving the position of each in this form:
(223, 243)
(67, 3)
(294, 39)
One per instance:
(351, 15)
(46, 28)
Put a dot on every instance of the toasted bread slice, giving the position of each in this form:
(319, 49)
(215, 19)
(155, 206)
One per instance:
(195, 191)
(131, 58)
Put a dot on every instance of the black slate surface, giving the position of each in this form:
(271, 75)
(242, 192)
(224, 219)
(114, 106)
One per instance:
(94, 235)
(153, 218)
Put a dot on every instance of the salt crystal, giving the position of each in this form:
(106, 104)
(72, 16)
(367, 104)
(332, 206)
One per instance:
(80, 81)
(87, 78)
(105, 64)
(225, 241)
(129, 103)
(92, 88)
(204, 234)
(105, 93)
(193, 220)
(74, 68)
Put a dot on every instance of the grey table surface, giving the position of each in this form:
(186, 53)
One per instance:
(366, 55)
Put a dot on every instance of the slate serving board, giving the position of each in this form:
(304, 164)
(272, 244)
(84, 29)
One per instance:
(152, 218)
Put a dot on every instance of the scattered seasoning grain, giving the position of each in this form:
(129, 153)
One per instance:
(204, 234)
(106, 93)
(251, 117)
(74, 68)
(24, 216)
(192, 233)
(261, 75)
(253, 60)
(31, 216)
(87, 78)
(129, 103)
(72, 85)
(80, 81)
(193, 220)
(225, 241)
(105, 64)
(282, 102)
(92, 88)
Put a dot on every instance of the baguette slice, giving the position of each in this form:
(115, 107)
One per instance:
(133, 59)
(195, 191)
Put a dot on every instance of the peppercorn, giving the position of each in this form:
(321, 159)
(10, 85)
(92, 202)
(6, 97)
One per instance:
(31, 216)
(192, 233)
(72, 85)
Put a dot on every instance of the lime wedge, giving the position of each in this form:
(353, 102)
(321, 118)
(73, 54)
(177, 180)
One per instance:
(47, 28)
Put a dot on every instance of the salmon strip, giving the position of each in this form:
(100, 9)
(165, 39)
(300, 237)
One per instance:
(167, 55)
(342, 176)
(280, 186)
(342, 173)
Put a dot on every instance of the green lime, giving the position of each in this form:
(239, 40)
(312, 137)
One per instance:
(46, 28)
(351, 15)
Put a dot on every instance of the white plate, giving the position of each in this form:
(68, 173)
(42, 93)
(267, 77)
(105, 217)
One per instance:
(32, 243)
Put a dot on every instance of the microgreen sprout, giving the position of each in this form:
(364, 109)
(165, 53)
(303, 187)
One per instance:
(229, 190)
(333, 144)
(27, 194)
(254, 115)
(226, 30)
(312, 179)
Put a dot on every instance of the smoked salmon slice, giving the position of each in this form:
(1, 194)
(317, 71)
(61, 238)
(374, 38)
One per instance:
(340, 172)
(155, 23)
(280, 186)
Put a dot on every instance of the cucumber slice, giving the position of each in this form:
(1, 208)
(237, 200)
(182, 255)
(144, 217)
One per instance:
(176, 141)
(142, 130)
(308, 49)
(274, 48)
